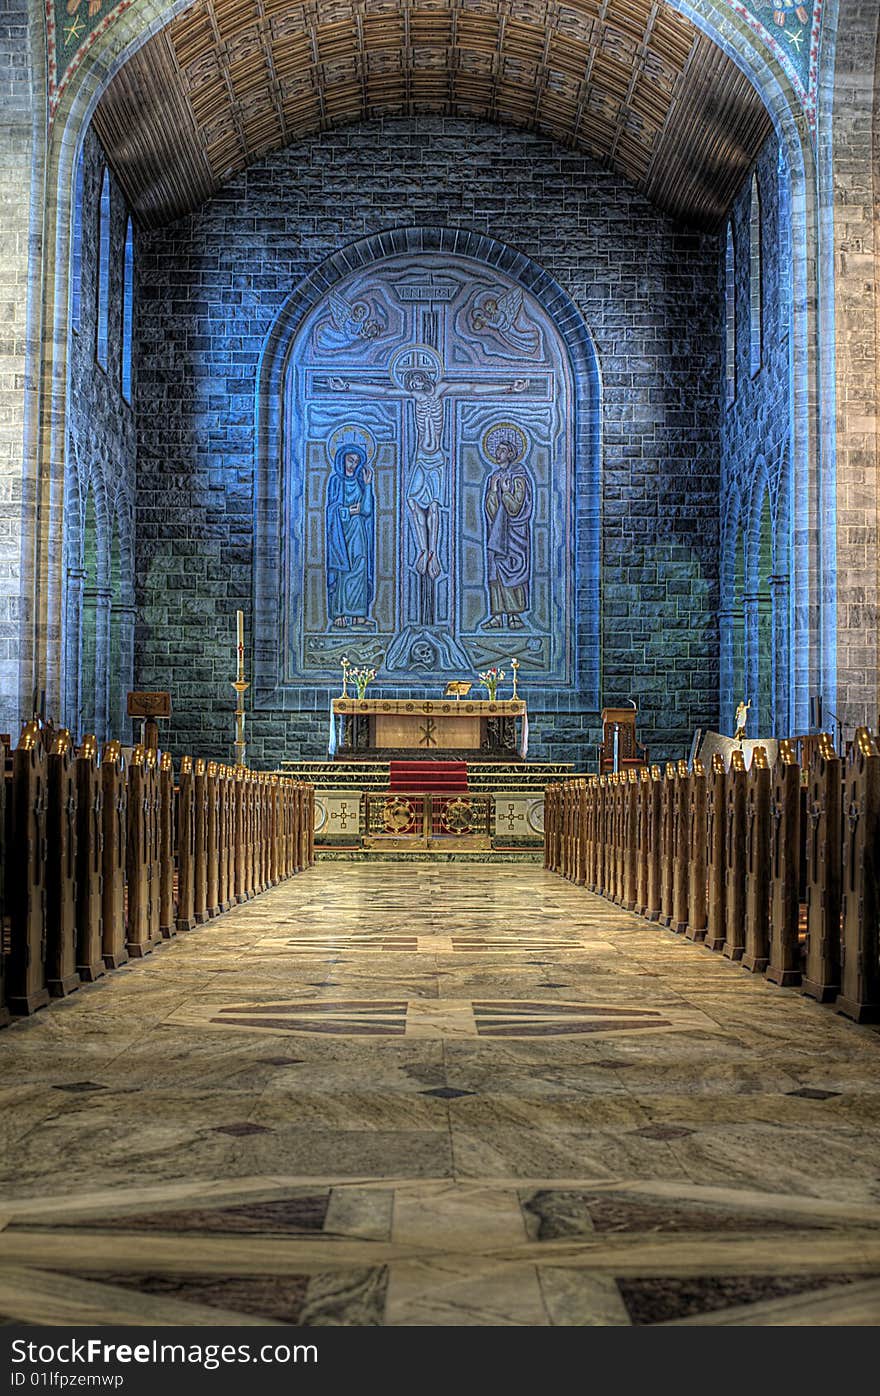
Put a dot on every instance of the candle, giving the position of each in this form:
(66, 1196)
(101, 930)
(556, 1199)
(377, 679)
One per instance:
(239, 620)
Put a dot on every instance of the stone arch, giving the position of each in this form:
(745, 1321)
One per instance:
(108, 51)
(575, 335)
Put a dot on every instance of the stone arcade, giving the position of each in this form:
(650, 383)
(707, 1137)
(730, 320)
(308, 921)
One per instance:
(529, 345)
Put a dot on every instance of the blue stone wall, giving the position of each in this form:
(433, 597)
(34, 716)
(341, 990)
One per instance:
(210, 288)
(756, 460)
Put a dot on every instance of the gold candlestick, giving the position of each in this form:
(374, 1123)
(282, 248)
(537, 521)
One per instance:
(514, 664)
(241, 687)
(345, 668)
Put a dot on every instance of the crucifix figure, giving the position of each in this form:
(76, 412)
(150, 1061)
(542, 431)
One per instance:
(418, 378)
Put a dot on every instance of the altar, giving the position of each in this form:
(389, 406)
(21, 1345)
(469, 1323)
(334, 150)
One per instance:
(368, 727)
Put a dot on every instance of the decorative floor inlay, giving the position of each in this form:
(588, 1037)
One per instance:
(491, 1098)
(437, 944)
(440, 1019)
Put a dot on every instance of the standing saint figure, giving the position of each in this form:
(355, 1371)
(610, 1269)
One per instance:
(349, 538)
(508, 504)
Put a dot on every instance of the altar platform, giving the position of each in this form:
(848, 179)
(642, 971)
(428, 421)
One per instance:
(503, 815)
(451, 727)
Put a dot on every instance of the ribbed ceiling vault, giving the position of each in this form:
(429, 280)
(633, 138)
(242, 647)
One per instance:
(630, 82)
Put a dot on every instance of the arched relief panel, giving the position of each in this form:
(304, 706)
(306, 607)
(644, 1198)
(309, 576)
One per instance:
(461, 383)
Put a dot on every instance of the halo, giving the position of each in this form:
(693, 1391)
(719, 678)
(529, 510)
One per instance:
(504, 431)
(414, 356)
(352, 434)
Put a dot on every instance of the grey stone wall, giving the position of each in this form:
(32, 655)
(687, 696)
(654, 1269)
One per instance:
(16, 511)
(648, 289)
(100, 459)
(756, 461)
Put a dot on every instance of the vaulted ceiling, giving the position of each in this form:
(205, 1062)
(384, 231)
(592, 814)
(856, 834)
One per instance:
(631, 82)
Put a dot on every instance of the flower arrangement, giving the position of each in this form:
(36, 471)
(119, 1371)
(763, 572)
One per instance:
(361, 678)
(490, 680)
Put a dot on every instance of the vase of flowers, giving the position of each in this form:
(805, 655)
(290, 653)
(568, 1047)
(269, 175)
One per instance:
(490, 681)
(361, 678)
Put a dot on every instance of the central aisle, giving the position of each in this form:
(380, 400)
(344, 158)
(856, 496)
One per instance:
(438, 1094)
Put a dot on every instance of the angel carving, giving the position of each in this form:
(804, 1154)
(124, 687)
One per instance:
(504, 315)
(346, 323)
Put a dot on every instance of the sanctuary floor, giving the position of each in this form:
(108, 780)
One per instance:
(439, 1095)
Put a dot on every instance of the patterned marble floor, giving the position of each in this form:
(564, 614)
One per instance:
(438, 1095)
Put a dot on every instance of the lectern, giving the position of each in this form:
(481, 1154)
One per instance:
(620, 749)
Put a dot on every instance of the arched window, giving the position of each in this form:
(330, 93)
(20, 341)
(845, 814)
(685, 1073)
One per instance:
(730, 315)
(76, 245)
(755, 276)
(127, 310)
(103, 271)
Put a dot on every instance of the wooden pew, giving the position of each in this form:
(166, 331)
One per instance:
(139, 854)
(697, 833)
(630, 839)
(114, 790)
(756, 954)
(200, 860)
(784, 956)
(212, 840)
(859, 996)
(682, 856)
(186, 846)
(167, 919)
(821, 979)
(26, 893)
(735, 858)
(667, 846)
(655, 844)
(89, 862)
(62, 977)
(642, 832)
(716, 855)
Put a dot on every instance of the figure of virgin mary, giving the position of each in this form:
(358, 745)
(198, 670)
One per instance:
(349, 538)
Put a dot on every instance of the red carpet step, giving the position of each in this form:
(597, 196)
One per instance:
(424, 777)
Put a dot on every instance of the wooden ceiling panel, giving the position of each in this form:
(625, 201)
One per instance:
(630, 82)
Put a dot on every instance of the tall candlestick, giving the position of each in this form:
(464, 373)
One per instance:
(515, 666)
(241, 688)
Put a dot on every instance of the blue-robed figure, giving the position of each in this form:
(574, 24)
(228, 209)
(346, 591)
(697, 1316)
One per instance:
(350, 539)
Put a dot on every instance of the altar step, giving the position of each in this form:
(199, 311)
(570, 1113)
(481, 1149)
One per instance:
(429, 777)
(494, 777)
(329, 854)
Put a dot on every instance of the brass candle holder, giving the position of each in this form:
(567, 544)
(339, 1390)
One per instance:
(241, 687)
(514, 664)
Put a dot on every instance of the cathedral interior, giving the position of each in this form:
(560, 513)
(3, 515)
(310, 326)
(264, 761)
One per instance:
(439, 662)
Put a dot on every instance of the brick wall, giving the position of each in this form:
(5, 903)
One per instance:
(648, 290)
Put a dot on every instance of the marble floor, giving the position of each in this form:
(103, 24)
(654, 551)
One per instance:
(438, 1094)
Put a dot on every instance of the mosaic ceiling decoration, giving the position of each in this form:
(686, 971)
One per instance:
(631, 82)
(789, 28)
